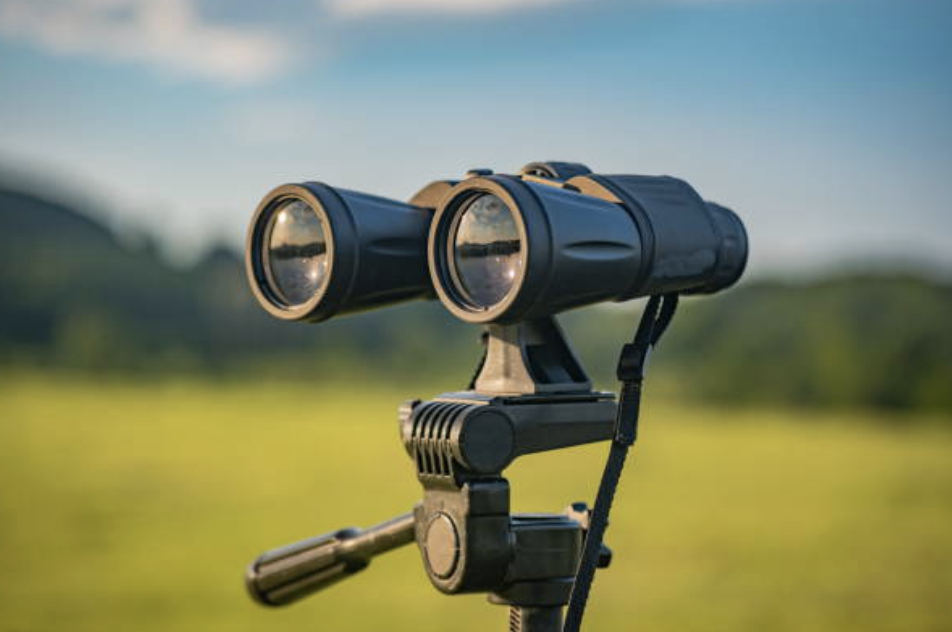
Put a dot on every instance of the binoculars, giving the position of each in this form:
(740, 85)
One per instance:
(493, 248)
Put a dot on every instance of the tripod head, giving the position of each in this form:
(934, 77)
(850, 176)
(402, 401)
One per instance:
(531, 395)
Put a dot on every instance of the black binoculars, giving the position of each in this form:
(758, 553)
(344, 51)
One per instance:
(493, 248)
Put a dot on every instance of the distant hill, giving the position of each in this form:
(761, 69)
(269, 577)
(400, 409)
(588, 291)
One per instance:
(72, 296)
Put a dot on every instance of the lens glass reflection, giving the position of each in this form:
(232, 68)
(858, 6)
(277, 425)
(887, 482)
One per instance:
(487, 251)
(296, 252)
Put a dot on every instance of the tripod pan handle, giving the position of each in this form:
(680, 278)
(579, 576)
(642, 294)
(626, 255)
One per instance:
(292, 572)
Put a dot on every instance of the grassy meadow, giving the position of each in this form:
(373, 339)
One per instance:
(136, 506)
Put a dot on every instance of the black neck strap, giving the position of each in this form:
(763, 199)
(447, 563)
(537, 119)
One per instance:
(631, 373)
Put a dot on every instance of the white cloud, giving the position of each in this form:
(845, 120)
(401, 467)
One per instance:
(169, 34)
(173, 35)
(361, 8)
(364, 8)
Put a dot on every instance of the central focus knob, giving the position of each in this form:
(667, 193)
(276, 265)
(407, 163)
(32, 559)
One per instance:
(442, 546)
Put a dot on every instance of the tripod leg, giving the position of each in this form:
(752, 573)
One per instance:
(535, 619)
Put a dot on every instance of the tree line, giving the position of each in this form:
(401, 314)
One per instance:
(74, 297)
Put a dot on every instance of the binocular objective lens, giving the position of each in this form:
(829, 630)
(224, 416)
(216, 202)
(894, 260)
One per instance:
(296, 252)
(487, 251)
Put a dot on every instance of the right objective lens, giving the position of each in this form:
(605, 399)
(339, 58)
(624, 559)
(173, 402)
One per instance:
(487, 251)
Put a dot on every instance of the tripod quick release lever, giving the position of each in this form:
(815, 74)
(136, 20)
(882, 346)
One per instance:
(285, 575)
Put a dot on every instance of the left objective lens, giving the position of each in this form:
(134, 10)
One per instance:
(296, 252)
(315, 251)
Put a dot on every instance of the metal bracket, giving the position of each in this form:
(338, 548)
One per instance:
(528, 358)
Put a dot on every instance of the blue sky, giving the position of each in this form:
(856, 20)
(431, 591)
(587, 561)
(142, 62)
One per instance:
(827, 125)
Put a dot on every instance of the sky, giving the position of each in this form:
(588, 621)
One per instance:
(825, 124)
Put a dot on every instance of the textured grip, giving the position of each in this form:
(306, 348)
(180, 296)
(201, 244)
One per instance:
(292, 572)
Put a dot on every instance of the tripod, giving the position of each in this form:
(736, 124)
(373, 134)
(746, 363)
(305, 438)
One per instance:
(530, 395)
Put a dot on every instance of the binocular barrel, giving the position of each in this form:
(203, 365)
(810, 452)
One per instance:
(295, 571)
(315, 251)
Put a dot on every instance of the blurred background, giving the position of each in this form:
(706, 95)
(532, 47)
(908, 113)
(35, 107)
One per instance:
(158, 430)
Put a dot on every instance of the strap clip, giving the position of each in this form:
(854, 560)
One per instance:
(632, 362)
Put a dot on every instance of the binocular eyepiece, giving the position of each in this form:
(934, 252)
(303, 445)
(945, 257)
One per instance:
(492, 248)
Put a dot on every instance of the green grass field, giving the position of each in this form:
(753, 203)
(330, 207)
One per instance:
(136, 507)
